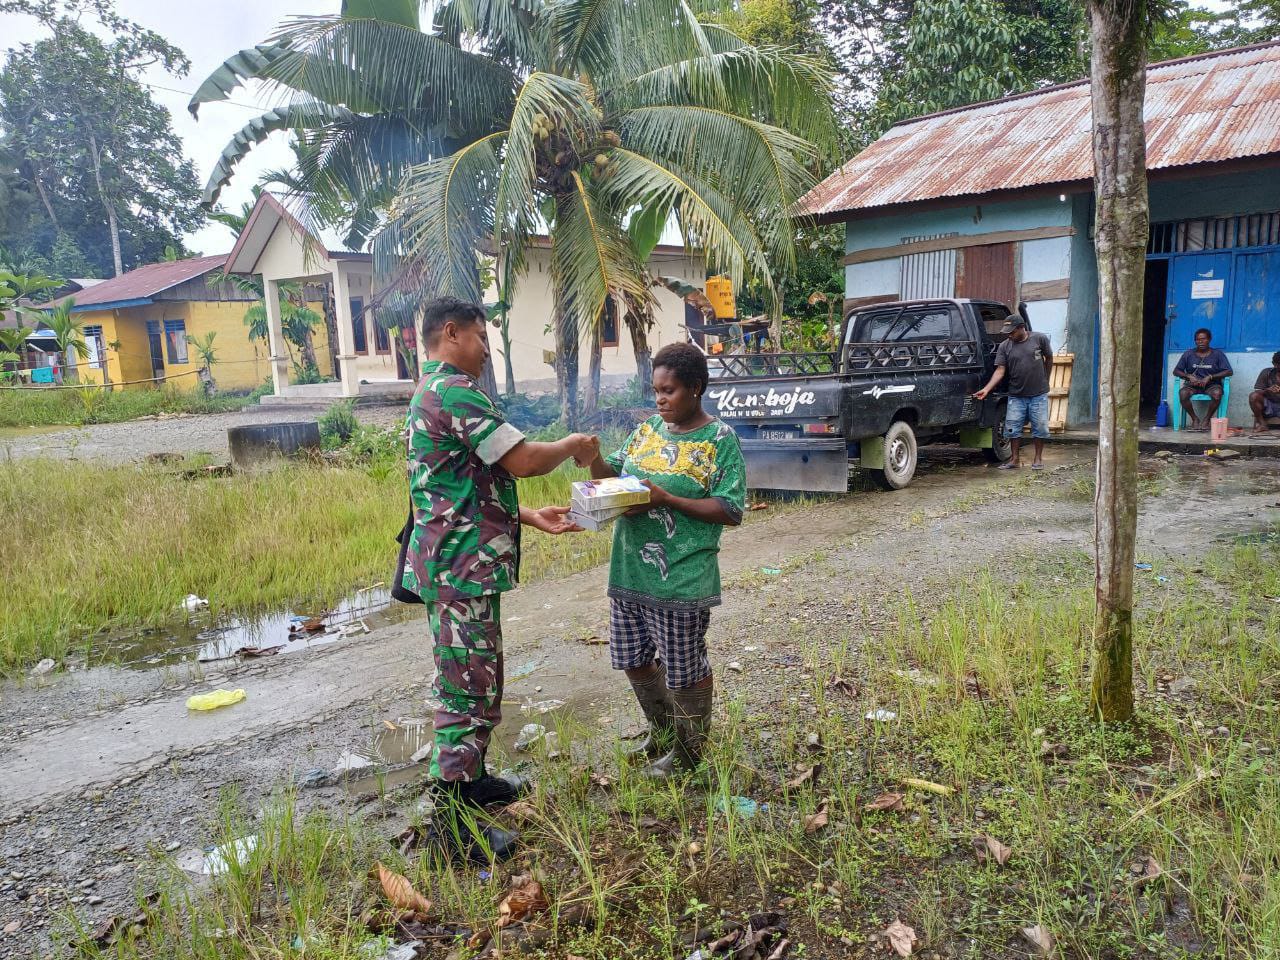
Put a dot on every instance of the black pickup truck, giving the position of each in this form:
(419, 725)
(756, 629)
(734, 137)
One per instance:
(904, 375)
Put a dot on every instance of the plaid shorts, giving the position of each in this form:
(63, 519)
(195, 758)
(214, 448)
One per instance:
(639, 634)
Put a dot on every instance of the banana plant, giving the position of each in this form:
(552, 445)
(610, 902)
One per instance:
(503, 119)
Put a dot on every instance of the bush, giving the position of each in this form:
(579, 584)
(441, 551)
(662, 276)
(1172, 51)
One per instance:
(337, 424)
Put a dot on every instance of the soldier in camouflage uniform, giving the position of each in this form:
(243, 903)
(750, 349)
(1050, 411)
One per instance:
(464, 552)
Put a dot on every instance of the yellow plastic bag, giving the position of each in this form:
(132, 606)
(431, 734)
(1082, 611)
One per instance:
(215, 699)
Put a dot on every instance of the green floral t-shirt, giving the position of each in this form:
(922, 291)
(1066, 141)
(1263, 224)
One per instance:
(664, 558)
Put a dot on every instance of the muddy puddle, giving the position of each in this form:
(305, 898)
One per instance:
(25, 433)
(204, 639)
(400, 752)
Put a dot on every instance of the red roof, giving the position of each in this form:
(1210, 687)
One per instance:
(146, 282)
(1205, 109)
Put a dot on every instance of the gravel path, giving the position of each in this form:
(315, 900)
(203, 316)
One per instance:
(179, 433)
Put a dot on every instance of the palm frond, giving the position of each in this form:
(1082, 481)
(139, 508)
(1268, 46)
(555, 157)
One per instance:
(591, 257)
(545, 101)
(504, 28)
(441, 218)
(768, 84)
(758, 165)
(249, 64)
(256, 131)
(387, 67)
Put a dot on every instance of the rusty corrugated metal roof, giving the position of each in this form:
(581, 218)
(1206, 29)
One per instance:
(145, 281)
(1213, 107)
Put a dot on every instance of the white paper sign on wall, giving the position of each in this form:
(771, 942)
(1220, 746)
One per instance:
(1207, 289)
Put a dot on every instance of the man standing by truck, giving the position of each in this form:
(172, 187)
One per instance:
(1025, 358)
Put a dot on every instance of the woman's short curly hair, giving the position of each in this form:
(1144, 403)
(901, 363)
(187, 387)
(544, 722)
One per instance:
(686, 362)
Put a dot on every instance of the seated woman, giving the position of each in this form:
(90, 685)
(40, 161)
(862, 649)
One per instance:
(1202, 370)
(664, 576)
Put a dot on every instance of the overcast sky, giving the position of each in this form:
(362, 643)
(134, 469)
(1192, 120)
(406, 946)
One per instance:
(208, 33)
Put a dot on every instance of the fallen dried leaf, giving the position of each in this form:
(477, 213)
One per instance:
(601, 781)
(593, 640)
(1055, 751)
(808, 775)
(928, 786)
(847, 687)
(902, 939)
(524, 899)
(389, 725)
(989, 848)
(399, 891)
(1147, 869)
(521, 810)
(886, 802)
(1040, 938)
(760, 505)
(479, 939)
(816, 821)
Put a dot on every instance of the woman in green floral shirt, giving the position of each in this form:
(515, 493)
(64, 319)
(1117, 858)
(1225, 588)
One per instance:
(664, 576)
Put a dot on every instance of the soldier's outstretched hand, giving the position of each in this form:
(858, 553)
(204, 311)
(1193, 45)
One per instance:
(551, 520)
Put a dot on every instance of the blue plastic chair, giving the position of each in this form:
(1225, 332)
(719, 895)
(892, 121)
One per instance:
(1175, 403)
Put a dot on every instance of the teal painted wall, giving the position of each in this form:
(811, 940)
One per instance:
(983, 218)
(1082, 309)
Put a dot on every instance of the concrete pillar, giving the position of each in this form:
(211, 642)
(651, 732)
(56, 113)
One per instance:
(346, 342)
(275, 337)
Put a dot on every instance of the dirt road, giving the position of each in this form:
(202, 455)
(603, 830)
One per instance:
(103, 769)
(186, 434)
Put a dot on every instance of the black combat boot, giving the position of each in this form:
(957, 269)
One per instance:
(487, 790)
(692, 721)
(459, 834)
(655, 701)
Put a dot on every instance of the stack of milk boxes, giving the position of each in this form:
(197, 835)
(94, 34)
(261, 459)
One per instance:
(596, 503)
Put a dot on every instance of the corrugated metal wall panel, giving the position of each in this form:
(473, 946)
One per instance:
(928, 275)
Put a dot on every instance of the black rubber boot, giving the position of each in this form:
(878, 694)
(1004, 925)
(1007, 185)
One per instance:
(459, 834)
(655, 701)
(692, 721)
(488, 790)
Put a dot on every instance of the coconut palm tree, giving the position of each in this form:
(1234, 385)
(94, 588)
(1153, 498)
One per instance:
(593, 121)
(68, 333)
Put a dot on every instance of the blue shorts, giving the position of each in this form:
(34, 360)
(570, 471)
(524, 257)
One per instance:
(1022, 410)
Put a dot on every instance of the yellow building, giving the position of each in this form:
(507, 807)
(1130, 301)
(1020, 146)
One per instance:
(136, 327)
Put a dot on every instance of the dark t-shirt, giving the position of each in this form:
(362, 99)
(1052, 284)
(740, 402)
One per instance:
(1267, 379)
(1215, 361)
(1024, 373)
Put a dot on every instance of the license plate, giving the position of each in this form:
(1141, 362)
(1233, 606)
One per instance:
(779, 434)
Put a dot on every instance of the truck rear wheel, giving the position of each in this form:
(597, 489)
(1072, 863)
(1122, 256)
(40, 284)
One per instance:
(900, 456)
(1001, 449)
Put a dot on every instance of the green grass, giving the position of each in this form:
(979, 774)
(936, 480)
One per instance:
(634, 869)
(92, 547)
(47, 407)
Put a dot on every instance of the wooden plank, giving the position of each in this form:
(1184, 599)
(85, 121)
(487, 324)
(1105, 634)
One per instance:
(956, 243)
(1046, 290)
(987, 273)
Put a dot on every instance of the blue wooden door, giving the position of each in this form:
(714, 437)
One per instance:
(1256, 315)
(1199, 296)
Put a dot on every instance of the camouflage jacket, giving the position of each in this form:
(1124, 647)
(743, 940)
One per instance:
(466, 529)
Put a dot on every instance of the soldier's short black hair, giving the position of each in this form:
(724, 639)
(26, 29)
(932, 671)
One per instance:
(686, 362)
(443, 309)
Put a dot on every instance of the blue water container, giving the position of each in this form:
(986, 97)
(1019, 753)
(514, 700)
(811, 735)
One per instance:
(1162, 414)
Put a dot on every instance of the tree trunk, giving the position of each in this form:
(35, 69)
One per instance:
(591, 398)
(44, 198)
(505, 330)
(113, 224)
(331, 329)
(1118, 83)
(566, 330)
(638, 321)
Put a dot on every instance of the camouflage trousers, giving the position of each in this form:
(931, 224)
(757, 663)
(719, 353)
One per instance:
(466, 693)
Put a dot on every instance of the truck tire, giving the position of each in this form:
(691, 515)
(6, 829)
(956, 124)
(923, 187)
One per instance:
(900, 455)
(1001, 450)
